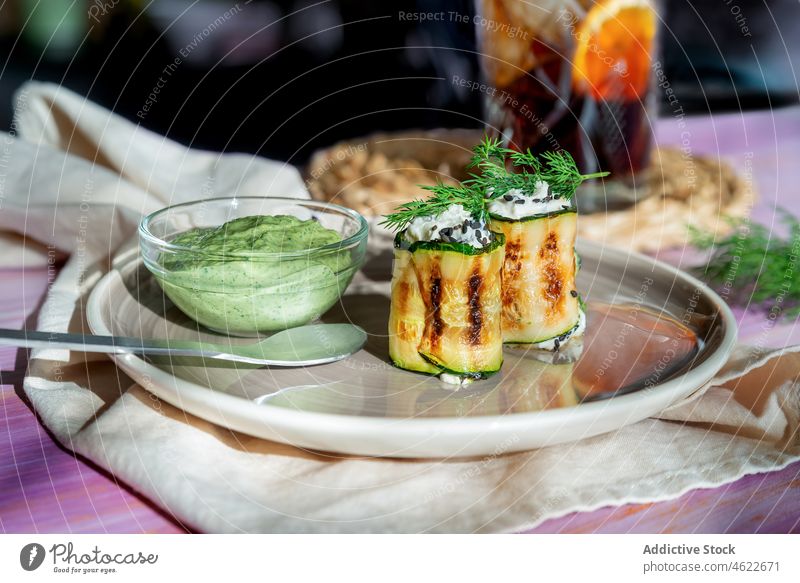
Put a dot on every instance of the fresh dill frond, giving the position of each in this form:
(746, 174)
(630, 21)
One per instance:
(561, 173)
(753, 265)
(490, 149)
(441, 197)
(492, 179)
(525, 159)
(557, 169)
(489, 157)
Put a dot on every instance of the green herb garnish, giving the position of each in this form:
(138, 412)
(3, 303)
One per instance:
(442, 196)
(557, 169)
(753, 265)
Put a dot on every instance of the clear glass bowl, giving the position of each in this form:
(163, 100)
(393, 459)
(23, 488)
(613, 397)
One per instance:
(244, 293)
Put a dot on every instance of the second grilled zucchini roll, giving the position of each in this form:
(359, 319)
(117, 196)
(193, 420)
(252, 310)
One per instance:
(534, 209)
(446, 285)
(540, 301)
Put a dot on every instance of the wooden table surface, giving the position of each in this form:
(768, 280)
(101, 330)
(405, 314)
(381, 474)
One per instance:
(45, 488)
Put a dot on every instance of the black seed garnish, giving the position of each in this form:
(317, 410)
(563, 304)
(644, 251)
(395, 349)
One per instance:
(557, 344)
(508, 197)
(434, 227)
(519, 201)
(573, 293)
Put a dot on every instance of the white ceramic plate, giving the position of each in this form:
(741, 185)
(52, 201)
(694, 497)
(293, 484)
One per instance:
(637, 359)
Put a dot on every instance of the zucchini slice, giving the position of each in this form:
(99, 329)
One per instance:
(540, 300)
(445, 308)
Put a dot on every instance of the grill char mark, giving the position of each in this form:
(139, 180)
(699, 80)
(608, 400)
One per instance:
(512, 268)
(403, 295)
(437, 325)
(474, 284)
(554, 278)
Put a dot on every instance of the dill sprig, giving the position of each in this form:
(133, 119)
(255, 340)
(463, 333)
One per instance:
(441, 197)
(557, 169)
(490, 159)
(753, 265)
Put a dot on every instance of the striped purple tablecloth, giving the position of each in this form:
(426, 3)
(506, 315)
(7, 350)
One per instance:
(45, 488)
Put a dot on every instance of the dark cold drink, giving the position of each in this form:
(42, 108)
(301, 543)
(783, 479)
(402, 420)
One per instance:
(577, 77)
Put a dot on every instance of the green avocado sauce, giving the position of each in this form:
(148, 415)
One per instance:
(220, 282)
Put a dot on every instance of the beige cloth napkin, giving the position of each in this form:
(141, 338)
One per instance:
(77, 178)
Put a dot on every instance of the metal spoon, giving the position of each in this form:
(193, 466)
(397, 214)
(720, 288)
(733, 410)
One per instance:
(303, 346)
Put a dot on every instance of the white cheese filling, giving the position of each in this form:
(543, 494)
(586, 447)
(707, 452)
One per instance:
(454, 225)
(454, 381)
(516, 204)
(559, 341)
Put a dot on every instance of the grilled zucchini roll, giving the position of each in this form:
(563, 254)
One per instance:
(533, 207)
(446, 285)
(540, 300)
(445, 309)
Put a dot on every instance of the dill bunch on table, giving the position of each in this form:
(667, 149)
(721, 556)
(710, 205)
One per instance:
(753, 265)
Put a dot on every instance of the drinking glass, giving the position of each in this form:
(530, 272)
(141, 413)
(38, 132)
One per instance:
(575, 75)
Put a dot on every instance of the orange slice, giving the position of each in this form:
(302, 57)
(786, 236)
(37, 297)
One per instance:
(614, 48)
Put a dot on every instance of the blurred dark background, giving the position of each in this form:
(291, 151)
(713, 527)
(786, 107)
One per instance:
(282, 78)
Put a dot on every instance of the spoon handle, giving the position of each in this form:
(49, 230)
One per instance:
(93, 343)
(303, 346)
